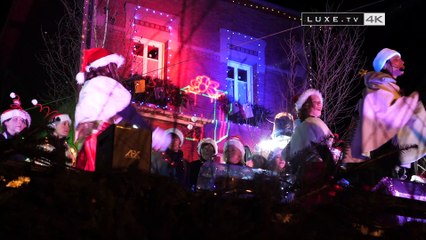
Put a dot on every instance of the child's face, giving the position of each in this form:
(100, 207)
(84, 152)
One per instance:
(207, 152)
(15, 125)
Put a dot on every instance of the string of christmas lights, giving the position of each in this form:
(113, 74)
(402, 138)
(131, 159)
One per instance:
(266, 9)
(259, 63)
(137, 16)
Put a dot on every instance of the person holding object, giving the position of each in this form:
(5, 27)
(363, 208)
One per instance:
(53, 147)
(207, 151)
(170, 163)
(103, 101)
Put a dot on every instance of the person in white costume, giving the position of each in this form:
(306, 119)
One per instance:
(311, 128)
(103, 101)
(309, 161)
(387, 119)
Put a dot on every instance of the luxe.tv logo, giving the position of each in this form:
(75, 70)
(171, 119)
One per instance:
(342, 19)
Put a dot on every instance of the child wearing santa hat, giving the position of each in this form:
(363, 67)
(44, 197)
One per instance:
(14, 120)
(54, 149)
(234, 152)
(170, 163)
(207, 151)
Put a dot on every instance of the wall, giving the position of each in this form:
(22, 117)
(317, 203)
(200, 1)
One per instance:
(197, 40)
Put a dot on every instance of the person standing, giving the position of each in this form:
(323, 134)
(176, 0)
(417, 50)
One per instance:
(311, 129)
(54, 147)
(207, 151)
(307, 155)
(234, 152)
(388, 120)
(170, 163)
(104, 101)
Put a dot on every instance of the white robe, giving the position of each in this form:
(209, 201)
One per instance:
(312, 130)
(100, 99)
(384, 115)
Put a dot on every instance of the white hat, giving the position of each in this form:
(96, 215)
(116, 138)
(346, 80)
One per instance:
(15, 110)
(97, 57)
(207, 141)
(305, 95)
(177, 132)
(58, 118)
(237, 143)
(381, 58)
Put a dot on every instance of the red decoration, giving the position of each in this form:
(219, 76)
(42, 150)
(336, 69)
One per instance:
(204, 85)
(46, 109)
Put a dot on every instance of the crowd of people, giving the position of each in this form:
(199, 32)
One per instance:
(300, 152)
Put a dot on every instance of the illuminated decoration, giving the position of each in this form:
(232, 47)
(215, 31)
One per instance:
(154, 52)
(86, 9)
(20, 181)
(250, 4)
(157, 93)
(221, 126)
(237, 48)
(268, 145)
(42, 108)
(272, 148)
(139, 86)
(203, 85)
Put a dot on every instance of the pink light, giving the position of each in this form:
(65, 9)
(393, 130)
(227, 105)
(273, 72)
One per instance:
(204, 85)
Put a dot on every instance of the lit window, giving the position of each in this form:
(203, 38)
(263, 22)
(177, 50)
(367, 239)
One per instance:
(148, 57)
(239, 82)
(230, 73)
(242, 75)
(153, 52)
(138, 49)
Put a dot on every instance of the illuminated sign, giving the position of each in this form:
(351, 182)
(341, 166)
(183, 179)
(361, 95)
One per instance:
(205, 86)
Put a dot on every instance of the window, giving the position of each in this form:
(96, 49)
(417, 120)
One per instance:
(239, 82)
(148, 57)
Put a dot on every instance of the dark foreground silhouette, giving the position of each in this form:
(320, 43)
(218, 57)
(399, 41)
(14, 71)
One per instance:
(49, 203)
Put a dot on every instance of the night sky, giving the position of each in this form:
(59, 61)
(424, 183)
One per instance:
(20, 70)
(405, 32)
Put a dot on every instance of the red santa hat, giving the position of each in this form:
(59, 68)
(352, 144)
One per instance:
(384, 55)
(305, 95)
(58, 118)
(15, 110)
(207, 141)
(97, 57)
(236, 143)
(177, 132)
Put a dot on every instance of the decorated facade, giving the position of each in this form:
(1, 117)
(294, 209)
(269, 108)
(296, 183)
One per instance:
(210, 68)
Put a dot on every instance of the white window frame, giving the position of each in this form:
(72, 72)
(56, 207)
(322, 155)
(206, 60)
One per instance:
(160, 61)
(249, 70)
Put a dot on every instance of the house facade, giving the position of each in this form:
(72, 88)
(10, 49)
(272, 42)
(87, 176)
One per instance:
(226, 56)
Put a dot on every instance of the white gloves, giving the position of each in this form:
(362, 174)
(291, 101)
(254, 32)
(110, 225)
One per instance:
(160, 139)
